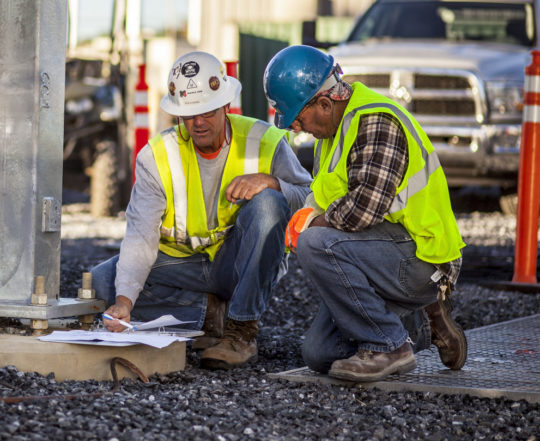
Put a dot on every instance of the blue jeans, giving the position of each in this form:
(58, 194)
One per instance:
(372, 289)
(243, 271)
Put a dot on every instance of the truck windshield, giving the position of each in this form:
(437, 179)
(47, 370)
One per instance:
(511, 23)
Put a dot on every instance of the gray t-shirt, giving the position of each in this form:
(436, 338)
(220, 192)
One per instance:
(211, 171)
(147, 204)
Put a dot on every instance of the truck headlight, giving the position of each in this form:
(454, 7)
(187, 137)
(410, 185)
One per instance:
(505, 100)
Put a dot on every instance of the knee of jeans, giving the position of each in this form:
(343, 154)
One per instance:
(268, 208)
(308, 243)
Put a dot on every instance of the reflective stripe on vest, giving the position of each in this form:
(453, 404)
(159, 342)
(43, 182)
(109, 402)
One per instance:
(251, 165)
(179, 195)
(184, 230)
(416, 182)
(421, 202)
(253, 146)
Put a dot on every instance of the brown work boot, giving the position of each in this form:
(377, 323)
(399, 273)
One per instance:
(374, 366)
(237, 347)
(214, 323)
(446, 334)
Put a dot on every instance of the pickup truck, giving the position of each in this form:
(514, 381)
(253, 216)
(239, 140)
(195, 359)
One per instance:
(458, 67)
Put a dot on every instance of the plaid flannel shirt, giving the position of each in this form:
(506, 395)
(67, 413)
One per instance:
(376, 165)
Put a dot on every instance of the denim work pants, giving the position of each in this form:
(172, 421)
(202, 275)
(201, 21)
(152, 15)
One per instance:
(372, 289)
(244, 270)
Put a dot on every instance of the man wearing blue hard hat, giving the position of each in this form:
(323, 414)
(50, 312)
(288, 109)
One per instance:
(377, 235)
(206, 218)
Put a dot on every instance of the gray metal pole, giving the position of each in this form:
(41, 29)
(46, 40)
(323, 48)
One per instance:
(32, 82)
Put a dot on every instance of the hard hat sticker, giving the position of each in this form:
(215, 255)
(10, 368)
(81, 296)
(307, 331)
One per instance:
(190, 69)
(191, 84)
(175, 73)
(214, 83)
(172, 88)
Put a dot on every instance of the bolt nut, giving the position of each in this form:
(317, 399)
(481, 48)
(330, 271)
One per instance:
(39, 299)
(39, 324)
(87, 293)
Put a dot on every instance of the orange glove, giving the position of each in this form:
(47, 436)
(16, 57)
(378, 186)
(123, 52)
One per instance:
(299, 222)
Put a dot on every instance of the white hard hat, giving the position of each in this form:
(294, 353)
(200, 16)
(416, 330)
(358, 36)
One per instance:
(198, 83)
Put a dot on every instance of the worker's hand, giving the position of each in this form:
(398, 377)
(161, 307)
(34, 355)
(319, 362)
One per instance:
(299, 222)
(121, 310)
(246, 186)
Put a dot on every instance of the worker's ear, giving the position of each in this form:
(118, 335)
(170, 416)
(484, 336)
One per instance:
(325, 104)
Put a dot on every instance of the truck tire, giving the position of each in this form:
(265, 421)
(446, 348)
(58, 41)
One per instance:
(104, 197)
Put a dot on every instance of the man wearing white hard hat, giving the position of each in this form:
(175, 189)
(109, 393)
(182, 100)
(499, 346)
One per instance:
(206, 220)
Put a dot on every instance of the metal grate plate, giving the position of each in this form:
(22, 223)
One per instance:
(503, 361)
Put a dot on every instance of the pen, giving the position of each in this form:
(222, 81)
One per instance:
(122, 322)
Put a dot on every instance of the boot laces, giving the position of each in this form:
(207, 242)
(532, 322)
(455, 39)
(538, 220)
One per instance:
(232, 330)
(364, 354)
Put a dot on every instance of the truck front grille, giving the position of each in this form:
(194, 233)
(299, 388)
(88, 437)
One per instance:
(442, 107)
(430, 93)
(422, 81)
(370, 80)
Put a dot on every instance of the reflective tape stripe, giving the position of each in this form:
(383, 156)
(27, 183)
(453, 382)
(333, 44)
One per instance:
(416, 182)
(531, 114)
(253, 145)
(168, 232)
(195, 241)
(179, 186)
(140, 99)
(347, 122)
(179, 231)
(532, 83)
(404, 119)
(180, 192)
(317, 158)
(141, 120)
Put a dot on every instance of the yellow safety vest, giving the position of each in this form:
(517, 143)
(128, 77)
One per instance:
(184, 229)
(422, 202)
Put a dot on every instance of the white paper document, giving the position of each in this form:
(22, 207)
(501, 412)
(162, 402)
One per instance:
(157, 339)
(161, 322)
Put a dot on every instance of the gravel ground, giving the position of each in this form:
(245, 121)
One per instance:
(246, 404)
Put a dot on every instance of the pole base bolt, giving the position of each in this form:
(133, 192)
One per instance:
(39, 324)
(39, 299)
(86, 294)
(85, 291)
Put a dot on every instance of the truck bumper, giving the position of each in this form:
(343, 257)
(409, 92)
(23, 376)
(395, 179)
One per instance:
(485, 155)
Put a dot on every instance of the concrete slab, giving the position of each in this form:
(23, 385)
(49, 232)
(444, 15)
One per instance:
(503, 361)
(71, 361)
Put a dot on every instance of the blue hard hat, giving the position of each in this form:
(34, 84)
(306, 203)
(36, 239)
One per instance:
(292, 77)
